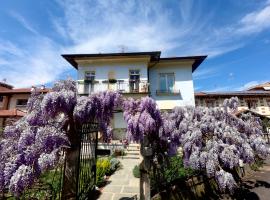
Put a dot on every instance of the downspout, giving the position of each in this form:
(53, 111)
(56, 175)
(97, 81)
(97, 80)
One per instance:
(148, 73)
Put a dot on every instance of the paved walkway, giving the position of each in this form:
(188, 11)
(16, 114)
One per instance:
(256, 185)
(122, 184)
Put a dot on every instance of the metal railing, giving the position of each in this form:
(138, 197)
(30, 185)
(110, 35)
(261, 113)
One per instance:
(168, 92)
(122, 86)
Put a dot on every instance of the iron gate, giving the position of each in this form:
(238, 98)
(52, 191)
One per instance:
(86, 179)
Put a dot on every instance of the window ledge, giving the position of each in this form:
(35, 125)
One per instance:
(21, 106)
(168, 93)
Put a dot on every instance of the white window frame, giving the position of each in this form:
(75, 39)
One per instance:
(167, 73)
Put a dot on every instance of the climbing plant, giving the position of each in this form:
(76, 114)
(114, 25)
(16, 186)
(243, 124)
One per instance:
(213, 139)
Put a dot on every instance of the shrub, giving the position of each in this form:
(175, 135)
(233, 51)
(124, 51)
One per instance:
(118, 152)
(136, 171)
(257, 164)
(115, 164)
(103, 168)
(174, 170)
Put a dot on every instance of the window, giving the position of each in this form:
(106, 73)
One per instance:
(261, 102)
(90, 75)
(242, 102)
(89, 78)
(134, 80)
(1, 98)
(166, 82)
(268, 102)
(22, 102)
(210, 103)
(252, 104)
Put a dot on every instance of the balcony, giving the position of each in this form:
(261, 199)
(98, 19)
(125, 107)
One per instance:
(125, 87)
(167, 92)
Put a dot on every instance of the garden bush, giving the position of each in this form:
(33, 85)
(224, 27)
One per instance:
(105, 166)
(115, 164)
(257, 164)
(173, 170)
(136, 171)
(118, 152)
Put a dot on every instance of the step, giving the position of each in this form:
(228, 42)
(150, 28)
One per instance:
(131, 157)
(132, 153)
(133, 147)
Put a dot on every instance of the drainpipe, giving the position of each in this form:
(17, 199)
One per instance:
(148, 73)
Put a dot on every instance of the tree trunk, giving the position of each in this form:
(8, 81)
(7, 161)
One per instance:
(71, 170)
(145, 167)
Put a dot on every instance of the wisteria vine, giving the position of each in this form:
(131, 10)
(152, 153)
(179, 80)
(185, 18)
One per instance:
(213, 139)
(32, 145)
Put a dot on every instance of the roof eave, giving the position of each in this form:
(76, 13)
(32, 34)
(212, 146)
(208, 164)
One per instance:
(154, 55)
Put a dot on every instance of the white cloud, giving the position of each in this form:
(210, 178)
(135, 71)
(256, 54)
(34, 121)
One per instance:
(249, 85)
(23, 22)
(39, 63)
(205, 73)
(219, 89)
(104, 25)
(7, 48)
(142, 26)
(256, 21)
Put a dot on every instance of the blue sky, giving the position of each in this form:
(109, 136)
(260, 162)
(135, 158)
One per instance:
(234, 34)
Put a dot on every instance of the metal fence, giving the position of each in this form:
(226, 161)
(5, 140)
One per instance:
(50, 184)
(86, 179)
(266, 136)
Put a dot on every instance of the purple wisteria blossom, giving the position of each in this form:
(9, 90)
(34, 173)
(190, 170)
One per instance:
(213, 139)
(32, 144)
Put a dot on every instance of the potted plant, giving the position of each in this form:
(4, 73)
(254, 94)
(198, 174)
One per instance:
(112, 81)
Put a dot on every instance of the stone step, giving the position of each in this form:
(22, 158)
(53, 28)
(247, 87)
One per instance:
(132, 153)
(131, 157)
(133, 147)
(133, 150)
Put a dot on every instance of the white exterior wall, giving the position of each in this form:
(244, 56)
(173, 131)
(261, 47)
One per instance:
(121, 72)
(183, 82)
(119, 121)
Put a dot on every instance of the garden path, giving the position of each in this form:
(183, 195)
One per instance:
(122, 184)
(256, 185)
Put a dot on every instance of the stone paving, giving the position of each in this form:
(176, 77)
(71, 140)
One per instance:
(122, 185)
(257, 184)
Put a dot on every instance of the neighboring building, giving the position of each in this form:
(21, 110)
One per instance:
(256, 99)
(167, 80)
(13, 102)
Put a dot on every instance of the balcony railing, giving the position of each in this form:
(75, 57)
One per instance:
(167, 92)
(128, 87)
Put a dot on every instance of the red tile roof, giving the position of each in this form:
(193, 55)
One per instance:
(21, 91)
(260, 86)
(233, 93)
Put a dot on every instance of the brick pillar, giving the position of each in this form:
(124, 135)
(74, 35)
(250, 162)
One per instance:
(5, 102)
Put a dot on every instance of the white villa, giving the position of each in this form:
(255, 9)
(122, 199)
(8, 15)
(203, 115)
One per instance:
(137, 74)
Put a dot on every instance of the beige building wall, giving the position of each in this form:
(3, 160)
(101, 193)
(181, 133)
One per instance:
(14, 99)
(261, 104)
